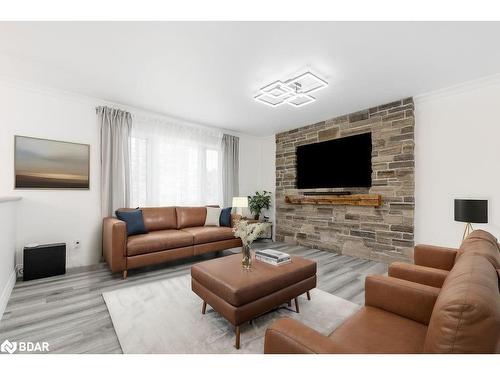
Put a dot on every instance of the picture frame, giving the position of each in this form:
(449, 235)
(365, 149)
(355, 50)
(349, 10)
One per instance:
(41, 163)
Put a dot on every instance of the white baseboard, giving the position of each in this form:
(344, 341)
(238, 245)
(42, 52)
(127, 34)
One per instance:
(7, 290)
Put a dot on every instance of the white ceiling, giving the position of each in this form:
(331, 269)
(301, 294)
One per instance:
(208, 72)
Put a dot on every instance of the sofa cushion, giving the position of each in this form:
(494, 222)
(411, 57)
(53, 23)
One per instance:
(225, 217)
(481, 243)
(190, 216)
(134, 221)
(210, 234)
(372, 330)
(213, 216)
(158, 218)
(157, 241)
(466, 316)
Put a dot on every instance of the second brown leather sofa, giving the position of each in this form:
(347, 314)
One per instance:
(402, 316)
(174, 233)
(433, 263)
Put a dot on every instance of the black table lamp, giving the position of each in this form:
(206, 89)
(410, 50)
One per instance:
(471, 211)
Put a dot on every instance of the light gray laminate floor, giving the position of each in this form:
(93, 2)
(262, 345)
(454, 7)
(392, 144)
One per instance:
(69, 311)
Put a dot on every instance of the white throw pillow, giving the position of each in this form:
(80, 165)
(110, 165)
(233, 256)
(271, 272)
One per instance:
(213, 215)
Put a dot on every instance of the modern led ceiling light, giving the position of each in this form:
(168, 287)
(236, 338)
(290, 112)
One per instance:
(294, 91)
(275, 93)
(300, 100)
(308, 82)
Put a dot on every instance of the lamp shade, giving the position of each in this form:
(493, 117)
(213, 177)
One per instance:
(240, 202)
(471, 210)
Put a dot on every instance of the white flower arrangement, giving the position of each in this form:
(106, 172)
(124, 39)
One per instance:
(248, 232)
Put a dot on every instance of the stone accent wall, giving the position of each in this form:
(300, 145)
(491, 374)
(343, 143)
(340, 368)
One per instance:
(382, 233)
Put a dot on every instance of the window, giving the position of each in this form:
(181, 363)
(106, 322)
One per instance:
(175, 166)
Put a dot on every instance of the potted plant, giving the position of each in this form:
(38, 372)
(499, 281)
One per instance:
(258, 202)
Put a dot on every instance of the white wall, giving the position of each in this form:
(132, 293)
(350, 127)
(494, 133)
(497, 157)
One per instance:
(457, 151)
(8, 214)
(68, 215)
(47, 216)
(257, 168)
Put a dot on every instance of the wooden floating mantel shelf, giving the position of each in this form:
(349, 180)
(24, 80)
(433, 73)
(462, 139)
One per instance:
(368, 200)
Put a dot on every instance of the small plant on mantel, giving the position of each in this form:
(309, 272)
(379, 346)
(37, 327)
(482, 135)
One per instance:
(258, 202)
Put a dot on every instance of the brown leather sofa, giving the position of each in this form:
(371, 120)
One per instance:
(433, 263)
(174, 233)
(402, 316)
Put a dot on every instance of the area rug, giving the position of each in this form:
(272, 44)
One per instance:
(165, 317)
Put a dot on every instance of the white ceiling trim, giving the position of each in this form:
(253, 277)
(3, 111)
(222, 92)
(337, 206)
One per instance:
(475, 84)
(94, 101)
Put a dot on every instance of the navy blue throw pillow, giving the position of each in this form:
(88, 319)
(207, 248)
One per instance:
(134, 221)
(225, 217)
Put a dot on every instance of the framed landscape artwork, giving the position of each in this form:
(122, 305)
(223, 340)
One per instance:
(48, 164)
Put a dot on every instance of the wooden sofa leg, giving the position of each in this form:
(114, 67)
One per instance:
(237, 338)
(125, 274)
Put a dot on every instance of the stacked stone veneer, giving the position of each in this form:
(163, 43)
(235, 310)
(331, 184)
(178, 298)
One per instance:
(382, 233)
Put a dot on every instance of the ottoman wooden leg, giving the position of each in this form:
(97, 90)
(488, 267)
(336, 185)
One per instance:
(204, 308)
(308, 296)
(297, 305)
(237, 340)
(289, 303)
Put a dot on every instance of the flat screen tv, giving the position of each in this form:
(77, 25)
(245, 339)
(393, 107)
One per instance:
(343, 162)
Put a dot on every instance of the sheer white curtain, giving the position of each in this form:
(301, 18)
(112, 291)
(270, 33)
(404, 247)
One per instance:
(174, 164)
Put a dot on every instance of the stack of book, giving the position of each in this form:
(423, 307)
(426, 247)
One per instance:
(273, 257)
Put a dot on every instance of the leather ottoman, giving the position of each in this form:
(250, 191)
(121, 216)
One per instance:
(241, 295)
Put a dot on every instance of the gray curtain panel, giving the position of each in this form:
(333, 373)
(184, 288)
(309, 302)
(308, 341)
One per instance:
(230, 165)
(116, 127)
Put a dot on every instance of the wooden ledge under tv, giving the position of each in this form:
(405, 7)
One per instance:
(368, 200)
